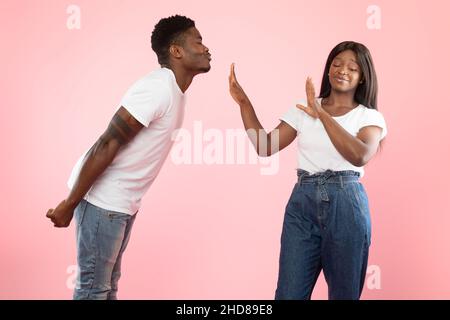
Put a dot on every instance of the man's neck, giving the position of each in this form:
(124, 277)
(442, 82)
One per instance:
(183, 78)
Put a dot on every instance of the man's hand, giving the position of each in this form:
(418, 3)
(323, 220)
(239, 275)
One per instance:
(314, 108)
(62, 215)
(122, 128)
(236, 90)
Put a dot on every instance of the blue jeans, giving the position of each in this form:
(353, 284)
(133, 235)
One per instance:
(102, 237)
(326, 227)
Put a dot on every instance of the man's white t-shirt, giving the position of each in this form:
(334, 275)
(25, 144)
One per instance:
(316, 152)
(157, 102)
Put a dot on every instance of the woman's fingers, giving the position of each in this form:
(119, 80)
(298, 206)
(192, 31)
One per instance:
(308, 110)
(310, 91)
(232, 73)
(301, 107)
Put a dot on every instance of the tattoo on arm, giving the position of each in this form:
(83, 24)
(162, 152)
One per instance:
(119, 130)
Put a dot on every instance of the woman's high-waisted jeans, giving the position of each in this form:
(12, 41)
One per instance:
(326, 227)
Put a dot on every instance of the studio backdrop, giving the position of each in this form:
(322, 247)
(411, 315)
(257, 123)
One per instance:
(210, 225)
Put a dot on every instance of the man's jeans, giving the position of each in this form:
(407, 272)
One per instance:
(102, 237)
(326, 226)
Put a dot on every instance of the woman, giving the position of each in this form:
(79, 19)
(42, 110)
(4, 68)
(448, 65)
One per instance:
(327, 221)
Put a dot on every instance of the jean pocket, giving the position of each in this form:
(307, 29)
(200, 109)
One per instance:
(117, 216)
(362, 198)
(80, 210)
(363, 203)
(357, 208)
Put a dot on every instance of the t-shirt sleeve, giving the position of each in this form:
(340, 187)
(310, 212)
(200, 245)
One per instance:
(293, 116)
(373, 117)
(146, 100)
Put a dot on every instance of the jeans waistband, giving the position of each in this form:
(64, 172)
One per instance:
(327, 176)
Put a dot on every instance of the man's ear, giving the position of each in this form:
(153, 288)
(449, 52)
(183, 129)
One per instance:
(176, 51)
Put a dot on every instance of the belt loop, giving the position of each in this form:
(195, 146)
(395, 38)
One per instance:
(299, 181)
(342, 182)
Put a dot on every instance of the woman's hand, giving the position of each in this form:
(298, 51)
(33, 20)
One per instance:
(236, 90)
(314, 108)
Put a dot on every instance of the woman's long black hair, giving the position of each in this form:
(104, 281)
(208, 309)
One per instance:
(366, 92)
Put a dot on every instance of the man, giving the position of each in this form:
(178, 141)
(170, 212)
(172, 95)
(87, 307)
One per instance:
(110, 179)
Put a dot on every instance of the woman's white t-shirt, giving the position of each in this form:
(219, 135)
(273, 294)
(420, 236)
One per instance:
(316, 152)
(157, 102)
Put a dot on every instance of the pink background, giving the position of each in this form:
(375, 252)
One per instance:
(212, 231)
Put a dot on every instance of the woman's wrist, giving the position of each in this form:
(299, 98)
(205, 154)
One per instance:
(322, 113)
(245, 103)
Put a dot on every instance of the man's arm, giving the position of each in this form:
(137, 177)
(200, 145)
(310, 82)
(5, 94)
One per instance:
(122, 129)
